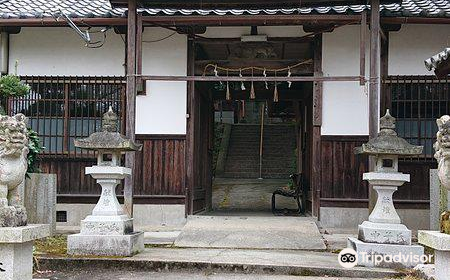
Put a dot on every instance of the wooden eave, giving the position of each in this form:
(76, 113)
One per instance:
(216, 20)
(241, 4)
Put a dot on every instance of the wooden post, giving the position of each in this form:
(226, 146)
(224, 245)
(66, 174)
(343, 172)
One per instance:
(190, 131)
(362, 50)
(385, 98)
(374, 87)
(316, 129)
(131, 103)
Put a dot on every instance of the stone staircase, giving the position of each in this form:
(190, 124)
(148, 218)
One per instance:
(279, 143)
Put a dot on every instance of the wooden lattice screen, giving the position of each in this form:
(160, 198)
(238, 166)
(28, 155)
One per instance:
(61, 109)
(416, 102)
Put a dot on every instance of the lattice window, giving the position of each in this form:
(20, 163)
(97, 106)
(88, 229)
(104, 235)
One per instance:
(416, 102)
(61, 109)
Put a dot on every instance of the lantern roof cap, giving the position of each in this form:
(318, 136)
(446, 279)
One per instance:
(108, 138)
(387, 142)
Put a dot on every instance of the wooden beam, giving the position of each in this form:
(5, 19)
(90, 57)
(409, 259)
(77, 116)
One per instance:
(228, 20)
(242, 20)
(316, 129)
(315, 78)
(130, 104)
(374, 87)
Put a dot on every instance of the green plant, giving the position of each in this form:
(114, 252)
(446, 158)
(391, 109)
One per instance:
(35, 148)
(12, 86)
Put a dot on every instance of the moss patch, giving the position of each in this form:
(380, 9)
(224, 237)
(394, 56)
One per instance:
(55, 245)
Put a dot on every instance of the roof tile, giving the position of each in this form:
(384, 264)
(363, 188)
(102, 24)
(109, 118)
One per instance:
(102, 8)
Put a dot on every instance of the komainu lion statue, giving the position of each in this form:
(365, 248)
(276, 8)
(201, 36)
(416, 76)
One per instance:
(442, 148)
(442, 155)
(13, 167)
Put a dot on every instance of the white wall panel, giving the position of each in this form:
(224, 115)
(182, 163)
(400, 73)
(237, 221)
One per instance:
(60, 51)
(345, 104)
(163, 109)
(414, 43)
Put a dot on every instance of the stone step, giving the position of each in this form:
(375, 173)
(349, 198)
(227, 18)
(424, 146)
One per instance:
(263, 264)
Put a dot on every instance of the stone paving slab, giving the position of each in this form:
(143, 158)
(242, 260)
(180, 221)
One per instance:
(281, 262)
(291, 233)
(136, 275)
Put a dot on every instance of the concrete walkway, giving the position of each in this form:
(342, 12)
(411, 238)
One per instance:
(263, 262)
(290, 233)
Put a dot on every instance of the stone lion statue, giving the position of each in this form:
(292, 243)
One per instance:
(442, 148)
(13, 167)
(442, 155)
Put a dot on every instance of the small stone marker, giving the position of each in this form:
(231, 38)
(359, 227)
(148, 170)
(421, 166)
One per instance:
(16, 237)
(109, 230)
(384, 234)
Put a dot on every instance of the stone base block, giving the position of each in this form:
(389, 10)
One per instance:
(16, 250)
(13, 216)
(400, 256)
(384, 233)
(16, 261)
(425, 271)
(105, 245)
(23, 234)
(106, 225)
(440, 242)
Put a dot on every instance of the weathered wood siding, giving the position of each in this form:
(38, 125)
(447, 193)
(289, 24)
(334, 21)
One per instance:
(342, 170)
(161, 166)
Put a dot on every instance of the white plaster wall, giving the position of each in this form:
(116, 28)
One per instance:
(414, 43)
(345, 104)
(60, 51)
(163, 109)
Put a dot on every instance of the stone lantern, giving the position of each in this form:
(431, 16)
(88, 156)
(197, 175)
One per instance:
(384, 233)
(109, 230)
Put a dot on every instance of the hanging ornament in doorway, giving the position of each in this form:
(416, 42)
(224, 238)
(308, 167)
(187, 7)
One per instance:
(275, 91)
(228, 95)
(242, 83)
(265, 76)
(289, 75)
(216, 73)
(252, 89)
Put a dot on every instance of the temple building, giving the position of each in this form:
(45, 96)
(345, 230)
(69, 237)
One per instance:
(229, 98)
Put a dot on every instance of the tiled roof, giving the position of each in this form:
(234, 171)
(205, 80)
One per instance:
(435, 61)
(102, 8)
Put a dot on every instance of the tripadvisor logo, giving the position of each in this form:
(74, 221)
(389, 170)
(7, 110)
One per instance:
(348, 258)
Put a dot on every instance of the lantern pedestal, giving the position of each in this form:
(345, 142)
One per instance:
(108, 231)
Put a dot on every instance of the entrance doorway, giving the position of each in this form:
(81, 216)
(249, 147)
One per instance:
(249, 137)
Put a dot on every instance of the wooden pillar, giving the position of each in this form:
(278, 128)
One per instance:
(374, 86)
(131, 103)
(190, 131)
(316, 129)
(385, 99)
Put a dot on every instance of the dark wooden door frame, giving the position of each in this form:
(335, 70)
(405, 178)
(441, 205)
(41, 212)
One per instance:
(316, 129)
